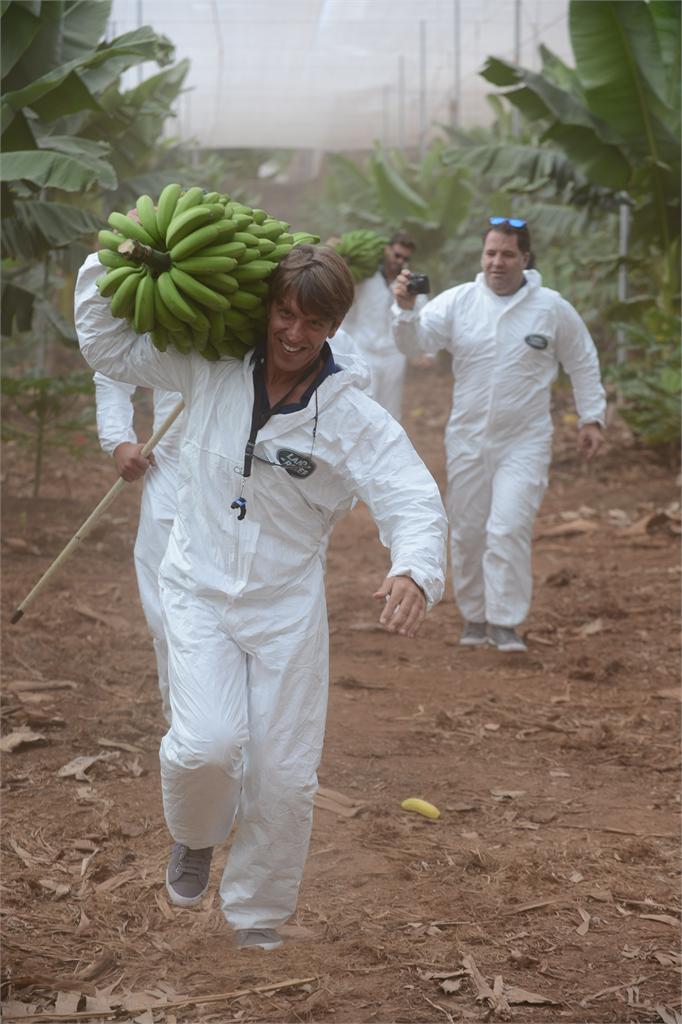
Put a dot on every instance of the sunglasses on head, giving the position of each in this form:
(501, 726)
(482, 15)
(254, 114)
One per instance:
(512, 221)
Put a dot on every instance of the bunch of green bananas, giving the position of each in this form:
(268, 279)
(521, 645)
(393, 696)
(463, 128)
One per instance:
(362, 250)
(193, 272)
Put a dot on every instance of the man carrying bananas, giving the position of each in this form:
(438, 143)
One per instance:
(507, 336)
(157, 507)
(369, 324)
(275, 448)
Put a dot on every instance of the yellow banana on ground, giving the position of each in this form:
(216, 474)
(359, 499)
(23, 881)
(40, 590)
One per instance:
(421, 807)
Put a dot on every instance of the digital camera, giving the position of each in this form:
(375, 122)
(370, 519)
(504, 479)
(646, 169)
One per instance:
(419, 284)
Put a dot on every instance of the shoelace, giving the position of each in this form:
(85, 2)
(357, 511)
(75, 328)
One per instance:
(192, 861)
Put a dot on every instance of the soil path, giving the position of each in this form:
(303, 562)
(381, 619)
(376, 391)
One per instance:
(547, 891)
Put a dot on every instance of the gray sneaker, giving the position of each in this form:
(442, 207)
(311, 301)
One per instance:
(187, 874)
(474, 634)
(257, 938)
(505, 638)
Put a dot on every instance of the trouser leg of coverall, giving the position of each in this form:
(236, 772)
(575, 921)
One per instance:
(247, 735)
(468, 505)
(150, 547)
(387, 377)
(518, 486)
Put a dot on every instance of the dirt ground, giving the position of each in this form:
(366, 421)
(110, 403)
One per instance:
(547, 891)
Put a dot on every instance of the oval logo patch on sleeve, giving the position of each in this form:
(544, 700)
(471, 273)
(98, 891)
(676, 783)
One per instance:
(538, 341)
(295, 463)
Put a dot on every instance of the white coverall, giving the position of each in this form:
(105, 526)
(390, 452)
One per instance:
(157, 506)
(244, 602)
(369, 324)
(506, 352)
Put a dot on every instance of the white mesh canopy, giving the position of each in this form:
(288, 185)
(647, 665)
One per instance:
(337, 74)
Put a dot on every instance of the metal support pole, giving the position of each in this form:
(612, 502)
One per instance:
(516, 117)
(457, 65)
(422, 88)
(623, 245)
(401, 101)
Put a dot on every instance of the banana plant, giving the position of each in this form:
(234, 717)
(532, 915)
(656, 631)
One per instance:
(67, 134)
(608, 130)
(389, 191)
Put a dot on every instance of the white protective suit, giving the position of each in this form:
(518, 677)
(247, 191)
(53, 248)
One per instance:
(244, 602)
(157, 506)
(505, 355)
(369, 324)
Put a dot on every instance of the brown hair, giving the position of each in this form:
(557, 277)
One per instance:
(317, 279)
(402, 238)
(522, 236)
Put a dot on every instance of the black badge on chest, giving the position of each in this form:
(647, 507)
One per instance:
(538, 341)
(295, 463)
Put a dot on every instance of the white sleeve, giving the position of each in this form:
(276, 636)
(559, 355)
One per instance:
(427, 329)
(578, 356)
(111, 346)
(114, 405)
(387, 474)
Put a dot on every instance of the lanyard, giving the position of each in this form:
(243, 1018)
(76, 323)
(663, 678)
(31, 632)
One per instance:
(260, 414)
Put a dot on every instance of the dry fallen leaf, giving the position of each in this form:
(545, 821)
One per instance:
(571, 529)
(583, 928)
(79, 765)
(330, 800)
(590, 628)
(506, 794)
(516, 996)
(663, 918)
(20, 738)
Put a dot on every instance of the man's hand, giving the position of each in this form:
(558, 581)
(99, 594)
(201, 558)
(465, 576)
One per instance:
(405, 299)
(590, 439)
(404, 605)
(130, 463)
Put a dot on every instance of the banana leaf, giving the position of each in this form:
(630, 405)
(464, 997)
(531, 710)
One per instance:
(38, 226)
(50, 169)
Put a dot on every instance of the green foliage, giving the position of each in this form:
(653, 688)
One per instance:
(43, 413)
(649, 381)
(615, 120)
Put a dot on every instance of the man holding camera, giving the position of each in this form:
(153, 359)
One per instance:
(507, 336)
(368, 323)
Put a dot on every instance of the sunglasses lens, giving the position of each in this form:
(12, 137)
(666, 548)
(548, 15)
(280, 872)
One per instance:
(508, 220)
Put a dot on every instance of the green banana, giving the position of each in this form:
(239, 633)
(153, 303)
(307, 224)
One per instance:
(131, 229)
(201, 325)
(165, 208)
(160, 338)
(246, 237)
(271, 231)
(163, 315)
(217, 328)
(108, 283)
(235, 320)
(249, 255)
(210, 352)
(183, 342)
(244, 300)
(173, 299)
(147, 214)
(211, 197)
(198, 291)
(280, 251)
(232, 249)
(259, 215)
(305, 238)
(143, 316)
(186, 223)
(192, 197)
(286, 238)
(256, 270)
(109, 239)
(265, 246)
(223, 283)
(240, 208)
(111, 259)
(207, 264)
(259, 288)
(123, 299)
(210, 234)
(241, 220)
